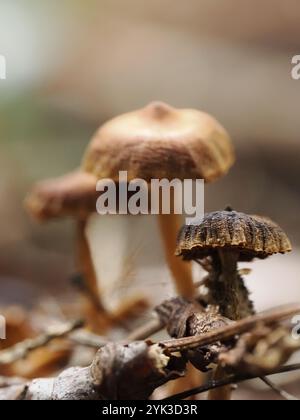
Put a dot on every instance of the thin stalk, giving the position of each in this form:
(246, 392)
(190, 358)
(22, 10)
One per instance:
(230, 284)
(227, 288)
(226, 291)
(169, 225)
(222, 393)
(85, 265)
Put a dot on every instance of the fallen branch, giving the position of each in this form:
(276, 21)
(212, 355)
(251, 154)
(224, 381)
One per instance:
(146, 330)
(145, 366)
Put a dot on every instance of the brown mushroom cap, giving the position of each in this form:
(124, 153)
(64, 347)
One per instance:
(155, 142)
(71, 195)
(251, 236)
(159, 141)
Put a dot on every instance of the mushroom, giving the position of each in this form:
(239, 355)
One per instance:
(227, 237)
(134, 256)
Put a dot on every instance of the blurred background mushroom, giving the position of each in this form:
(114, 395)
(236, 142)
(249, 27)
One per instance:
(125, 257)
(75, 64)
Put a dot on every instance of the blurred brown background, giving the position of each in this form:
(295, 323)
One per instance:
(73, 64)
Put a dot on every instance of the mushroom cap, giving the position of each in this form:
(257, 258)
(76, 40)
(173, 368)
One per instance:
(159, 141)
(155, 142)
(250, 235)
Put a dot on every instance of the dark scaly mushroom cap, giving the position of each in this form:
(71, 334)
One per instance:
(252, 236)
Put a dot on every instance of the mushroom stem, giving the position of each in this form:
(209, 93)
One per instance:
(220, 394)
(85, 265)
(230, 280)
(181, 270)
(227, 286)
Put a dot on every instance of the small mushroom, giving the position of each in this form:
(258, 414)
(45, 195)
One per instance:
(125, 252)
(227, 237)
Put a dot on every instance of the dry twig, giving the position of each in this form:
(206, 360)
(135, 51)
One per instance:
(281, 392)
(20, 350)
(88, 339)
(145, 331)
(230, 331)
